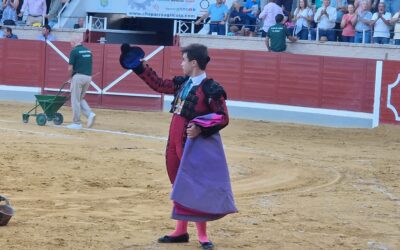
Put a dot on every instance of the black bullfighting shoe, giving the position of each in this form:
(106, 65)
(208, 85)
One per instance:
(174, 239)
(207, 245)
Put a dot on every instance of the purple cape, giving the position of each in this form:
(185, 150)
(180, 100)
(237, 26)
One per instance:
(202, 183)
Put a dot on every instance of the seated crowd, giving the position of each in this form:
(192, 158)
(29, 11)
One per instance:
(36, 13)
(358, 21)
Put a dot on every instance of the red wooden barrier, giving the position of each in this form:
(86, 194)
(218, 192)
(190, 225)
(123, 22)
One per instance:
(123, 93)
(300, 80)
(348, 84)
(390, 74)
(172, 62)
(275, 78)
(288, 79)
(22, 62)
(56, 69)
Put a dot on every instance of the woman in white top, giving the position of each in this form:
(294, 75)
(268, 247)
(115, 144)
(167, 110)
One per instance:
(396, 23)
(303, 15)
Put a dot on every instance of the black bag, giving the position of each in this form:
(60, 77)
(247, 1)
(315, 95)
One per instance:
(9, 22)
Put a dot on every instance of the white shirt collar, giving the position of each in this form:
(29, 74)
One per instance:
(198, 79)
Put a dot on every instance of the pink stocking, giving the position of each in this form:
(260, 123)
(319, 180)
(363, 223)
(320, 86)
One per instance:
(202, 231)
(181, 228)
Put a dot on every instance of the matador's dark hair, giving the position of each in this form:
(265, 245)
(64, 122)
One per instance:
(197, 52)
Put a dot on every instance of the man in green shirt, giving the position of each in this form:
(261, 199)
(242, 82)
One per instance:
(80, 67)
(276, 36)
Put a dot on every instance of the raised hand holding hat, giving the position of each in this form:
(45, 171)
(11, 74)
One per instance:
(131, 58)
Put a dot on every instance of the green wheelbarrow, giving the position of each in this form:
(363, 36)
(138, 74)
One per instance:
(50, 104)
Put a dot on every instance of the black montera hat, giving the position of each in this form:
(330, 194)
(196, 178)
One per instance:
(130, 56)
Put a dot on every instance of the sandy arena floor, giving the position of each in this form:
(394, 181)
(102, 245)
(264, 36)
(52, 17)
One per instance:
(297, 187)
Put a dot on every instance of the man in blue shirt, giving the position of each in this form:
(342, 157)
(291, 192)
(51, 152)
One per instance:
(9, 34)
(363, 28)
(252, 9)
(46, 34)
(218, 14)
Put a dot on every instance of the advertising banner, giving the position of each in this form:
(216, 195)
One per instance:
(175, 9)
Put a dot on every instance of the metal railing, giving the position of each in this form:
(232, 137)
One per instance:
(313, 34)
(363, 37)
(89, 22)
(59, 16)
(96, 23)
(181, 27)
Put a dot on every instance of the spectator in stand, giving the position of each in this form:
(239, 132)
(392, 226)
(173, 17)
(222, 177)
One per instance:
(46, 34)
(326, 18)
(9, 34)
(302, 16)
(396, 23)
(341, 8)
(252, 9)
(287, 17)
(348, 22)
(318, 4)
(218, 13)
(276, 36)
(1, 32)
(392, 6)
(285, 4)
(80, 24)
(289, 4)
(268, 16)
(357, 3)
(313, 24)
(237, 19)
(363, 21)
(9, 12)
(381, 21)
(36, 10)
(55, 8)
(374, 6)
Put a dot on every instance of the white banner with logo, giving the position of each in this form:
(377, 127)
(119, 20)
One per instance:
(176, 9)
(180, 9)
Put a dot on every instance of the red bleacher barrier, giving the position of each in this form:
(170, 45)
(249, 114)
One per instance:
(56, 69)
(299, 80)
(172, 62)
(131, 92)
(22, 63)
(273, 78)
(390, 102)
